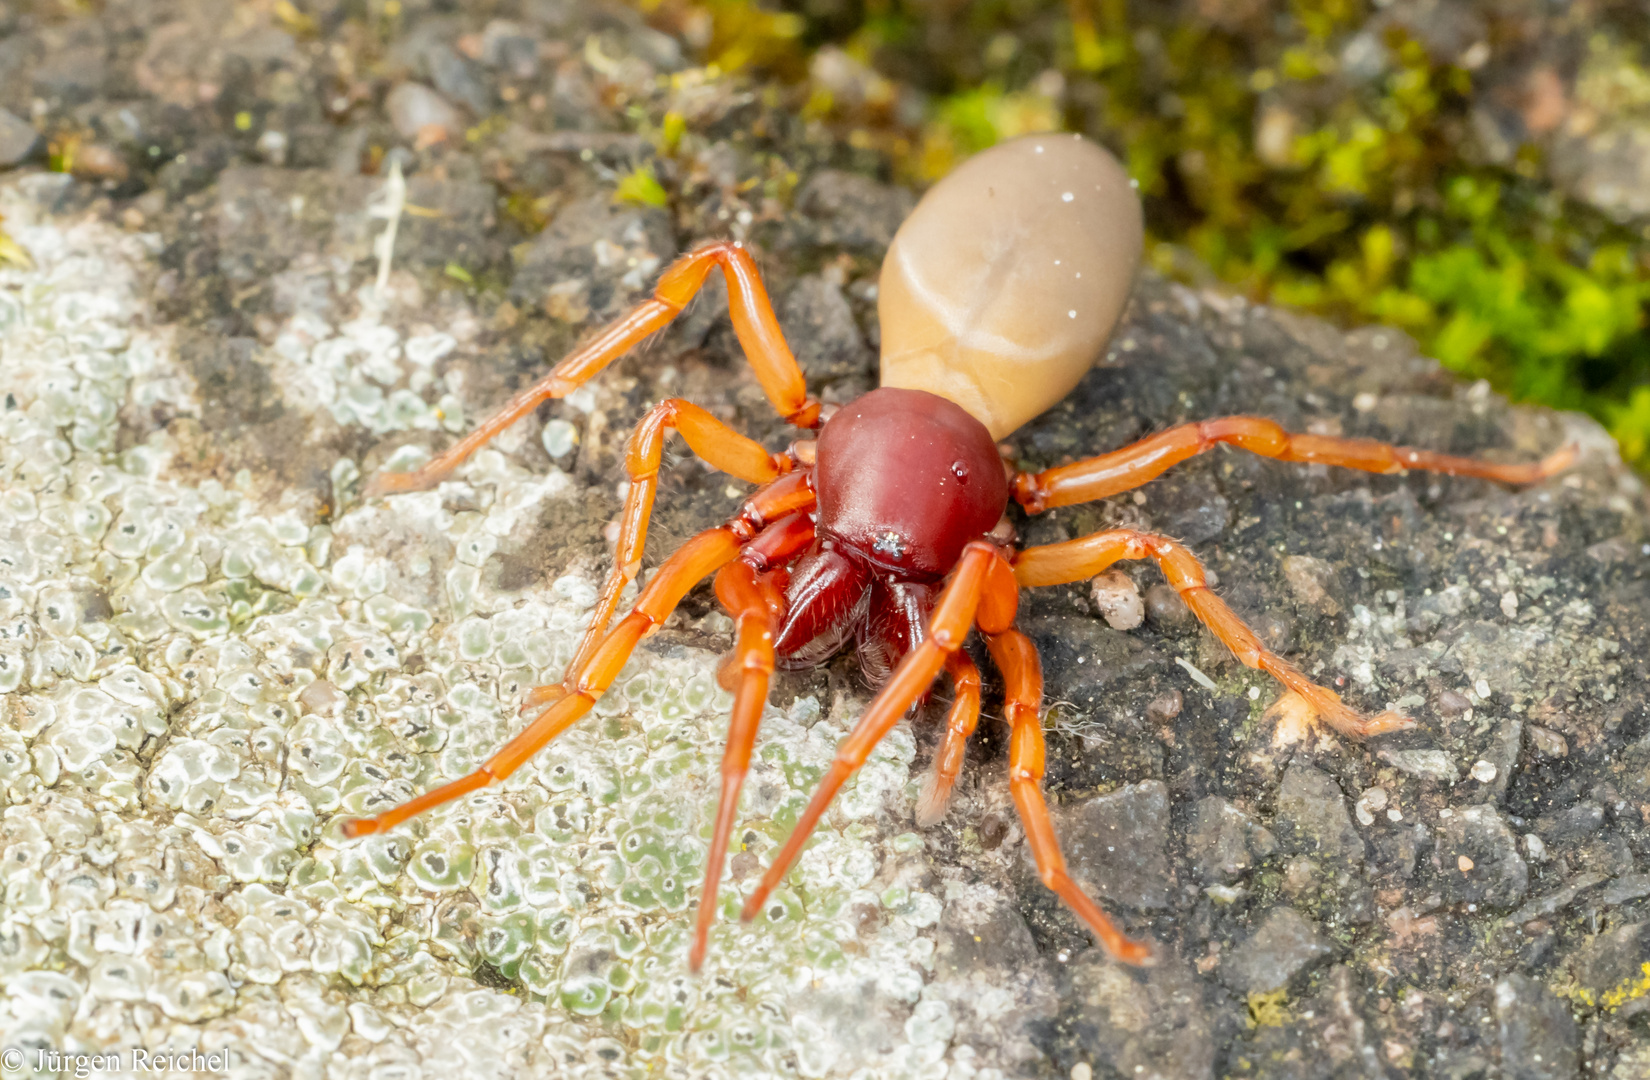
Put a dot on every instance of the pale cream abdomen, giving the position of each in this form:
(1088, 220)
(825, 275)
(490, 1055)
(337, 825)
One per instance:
(1001, 288)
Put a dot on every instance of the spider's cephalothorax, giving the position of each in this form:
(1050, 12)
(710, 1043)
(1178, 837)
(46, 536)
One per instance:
(997, 294)
(886, 537)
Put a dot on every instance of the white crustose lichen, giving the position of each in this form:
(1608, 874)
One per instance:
(199, 681)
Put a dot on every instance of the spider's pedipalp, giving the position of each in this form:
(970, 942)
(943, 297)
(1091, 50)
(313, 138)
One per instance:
(950, 623)
(960, 722)
(713, 441)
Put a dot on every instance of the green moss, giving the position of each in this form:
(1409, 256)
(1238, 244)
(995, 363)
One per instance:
(1350, 194)
(640, 187)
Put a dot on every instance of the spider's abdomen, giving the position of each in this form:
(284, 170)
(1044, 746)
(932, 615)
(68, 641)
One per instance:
(905, 479)
(1000, 289)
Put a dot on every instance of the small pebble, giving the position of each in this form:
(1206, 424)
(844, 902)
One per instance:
(1464, 863)
(18, 139)
(1483, 771)
(1165, 706)
(416, 111)
(271, 146)
(1117, 598)
(1166, 609)
(1547, 743)
(1453, 704)
(94, 161)
(560, 437)
(1369, 803)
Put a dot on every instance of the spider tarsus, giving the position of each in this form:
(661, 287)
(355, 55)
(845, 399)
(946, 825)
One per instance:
(1559, 460)
(1140, 954)
(355, 828)
(932, 802)
(399, 483)
(1386, 721)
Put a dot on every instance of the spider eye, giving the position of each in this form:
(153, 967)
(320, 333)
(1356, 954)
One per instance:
(890, 545)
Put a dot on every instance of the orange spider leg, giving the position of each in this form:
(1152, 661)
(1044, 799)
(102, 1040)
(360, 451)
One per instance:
(719, 445)
(981, 585)
(1076, 560)
(753, 322)
(959, 725)
(695, 559)
(1131, 466)
(783, 499)
(1016, 658)
(755, 603)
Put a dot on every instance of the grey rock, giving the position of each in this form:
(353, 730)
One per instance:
(412, 107)
(565, 257)
(511, 48)
(1397, 850)
(1191, 510)
(1108, 657)
(1494, 873)
(1314, 582)
(1502, 752)
(1546, 742)
(1625, 888)
(1330, 1034)
(1610, 169)
(1224, 843)
(1313, 818)
(853, 212)
(1138, 1022)
(1612, 962)
(17, 139)
(72, 76)
(1118, 844)
(1540, 907)
(1538, 1036)
(1166, 610)
(1285, 945)
(1571, 824)
(1426, 764)
(973, 938)
(457, 78)
(833, 346)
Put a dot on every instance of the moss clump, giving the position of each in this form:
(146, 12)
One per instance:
(1314, 153)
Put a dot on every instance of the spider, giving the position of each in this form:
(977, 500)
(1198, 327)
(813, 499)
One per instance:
(889, 528)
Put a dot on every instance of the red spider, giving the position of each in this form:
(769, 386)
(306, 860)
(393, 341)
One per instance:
(890, 529)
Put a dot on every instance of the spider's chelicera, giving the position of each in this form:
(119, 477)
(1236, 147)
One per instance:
(888, 530)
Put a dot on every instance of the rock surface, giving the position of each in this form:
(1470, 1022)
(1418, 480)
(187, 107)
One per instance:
(212, 649)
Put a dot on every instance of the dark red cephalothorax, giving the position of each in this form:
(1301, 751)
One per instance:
(886, 536)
